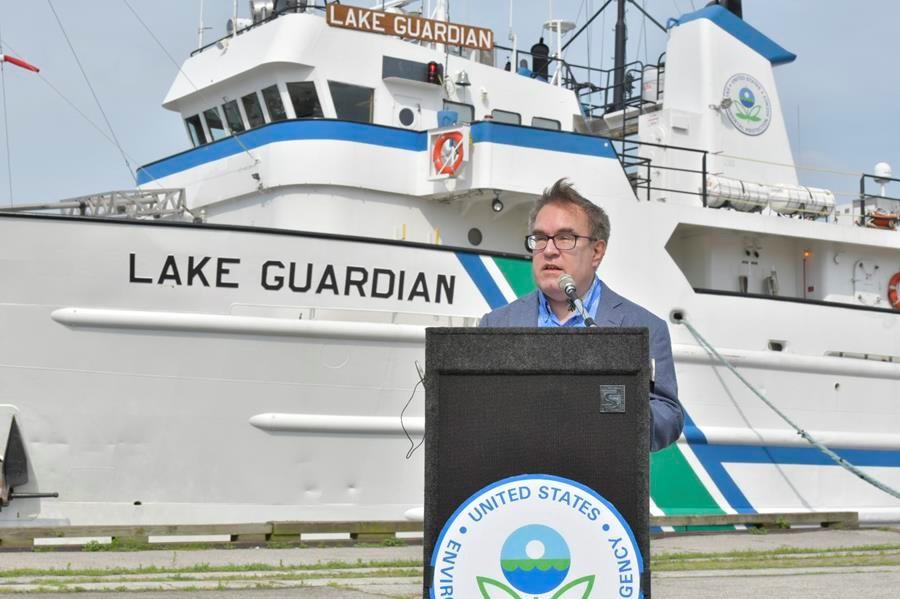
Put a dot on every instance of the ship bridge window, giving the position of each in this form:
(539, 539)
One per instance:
(505, 116)
(542, 123)
(466, 112)
(214, 124)
(352, 102)
(274, 104)
(233, 116)
(305, 100)
(253, 109)
(195, 130)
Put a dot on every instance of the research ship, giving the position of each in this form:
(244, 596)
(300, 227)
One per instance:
(241, 337)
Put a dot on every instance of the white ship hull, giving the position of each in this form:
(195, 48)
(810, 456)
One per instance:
(148, 402)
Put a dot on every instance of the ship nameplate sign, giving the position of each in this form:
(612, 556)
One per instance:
(409, 26)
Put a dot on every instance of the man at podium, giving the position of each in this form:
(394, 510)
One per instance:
(567, 240)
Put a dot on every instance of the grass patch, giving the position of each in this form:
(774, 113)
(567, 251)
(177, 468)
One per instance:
(811, 561)
(119, 544)
(786, 557)
(234, 577)
(203, 568)
(747, 554)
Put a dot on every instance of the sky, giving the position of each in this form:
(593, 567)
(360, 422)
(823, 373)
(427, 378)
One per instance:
(839, 96)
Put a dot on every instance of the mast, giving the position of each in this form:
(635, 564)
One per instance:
(201, 28)
(619, 72)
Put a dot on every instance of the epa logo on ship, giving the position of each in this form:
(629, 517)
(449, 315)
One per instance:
(536, 536)
(750, 110)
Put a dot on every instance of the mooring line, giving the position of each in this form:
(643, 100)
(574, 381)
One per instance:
(800, 431)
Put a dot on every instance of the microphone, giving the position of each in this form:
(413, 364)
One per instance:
(566, 284)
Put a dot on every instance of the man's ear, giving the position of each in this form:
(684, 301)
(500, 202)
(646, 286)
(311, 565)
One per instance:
(599, 252)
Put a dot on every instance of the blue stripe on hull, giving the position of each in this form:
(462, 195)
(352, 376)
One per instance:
(303, 129)
(389, 137)
(542, 139)
(714, 458)
(802, 456)
(482, 279)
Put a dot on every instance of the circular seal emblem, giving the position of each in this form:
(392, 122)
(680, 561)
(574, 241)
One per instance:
(536, 536)
(751, 110)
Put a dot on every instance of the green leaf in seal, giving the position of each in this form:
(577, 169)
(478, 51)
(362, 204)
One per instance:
(588, 581)
(484, 582)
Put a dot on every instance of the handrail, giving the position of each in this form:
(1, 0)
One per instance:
(129, 203)
(864, 195)
(272, 17)
(571, 81)
(630, 160)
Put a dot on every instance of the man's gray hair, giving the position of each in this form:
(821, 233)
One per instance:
(563, 192)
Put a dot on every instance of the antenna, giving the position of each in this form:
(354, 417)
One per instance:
(441, 10)
(619, 73)
(514, 39)
(201, 28)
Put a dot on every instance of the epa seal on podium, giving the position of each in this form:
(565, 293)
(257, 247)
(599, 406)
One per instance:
(536, 536)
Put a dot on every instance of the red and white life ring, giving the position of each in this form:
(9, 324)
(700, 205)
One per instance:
(452, 162)
(894, 291)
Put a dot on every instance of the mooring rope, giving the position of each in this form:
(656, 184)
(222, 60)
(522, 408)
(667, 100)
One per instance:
(800, 431)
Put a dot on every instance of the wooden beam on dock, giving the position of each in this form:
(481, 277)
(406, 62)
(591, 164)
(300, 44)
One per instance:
(774, 520)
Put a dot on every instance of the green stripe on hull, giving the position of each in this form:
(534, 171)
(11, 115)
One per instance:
(517, 273)
(674, 486)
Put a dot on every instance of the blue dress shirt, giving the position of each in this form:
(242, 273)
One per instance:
(547, 318)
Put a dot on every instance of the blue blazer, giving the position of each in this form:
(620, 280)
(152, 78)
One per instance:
(667, 416)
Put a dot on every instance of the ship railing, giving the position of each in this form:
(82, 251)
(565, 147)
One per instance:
(131, 203)
(598, 93)
(597, 89)
(639, 169)
(877, 211)
(275, 14)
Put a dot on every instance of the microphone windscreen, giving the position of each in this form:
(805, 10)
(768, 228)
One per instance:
(566, 282)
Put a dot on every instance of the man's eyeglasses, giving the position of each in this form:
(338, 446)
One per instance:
(562, 241)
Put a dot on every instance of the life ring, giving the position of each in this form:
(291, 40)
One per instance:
(456, 157)
(894, 291)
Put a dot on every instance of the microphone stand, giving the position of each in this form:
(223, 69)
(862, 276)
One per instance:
(576, 305)
(567, 285)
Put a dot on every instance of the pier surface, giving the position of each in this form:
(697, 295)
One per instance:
(818, 564)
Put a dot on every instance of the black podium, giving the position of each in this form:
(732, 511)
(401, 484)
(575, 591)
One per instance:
(568, 402)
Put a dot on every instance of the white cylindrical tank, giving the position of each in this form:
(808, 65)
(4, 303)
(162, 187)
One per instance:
(755, 196)
(796, 199)
(740, 195)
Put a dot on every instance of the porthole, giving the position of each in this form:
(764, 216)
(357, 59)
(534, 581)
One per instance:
(407, 117)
